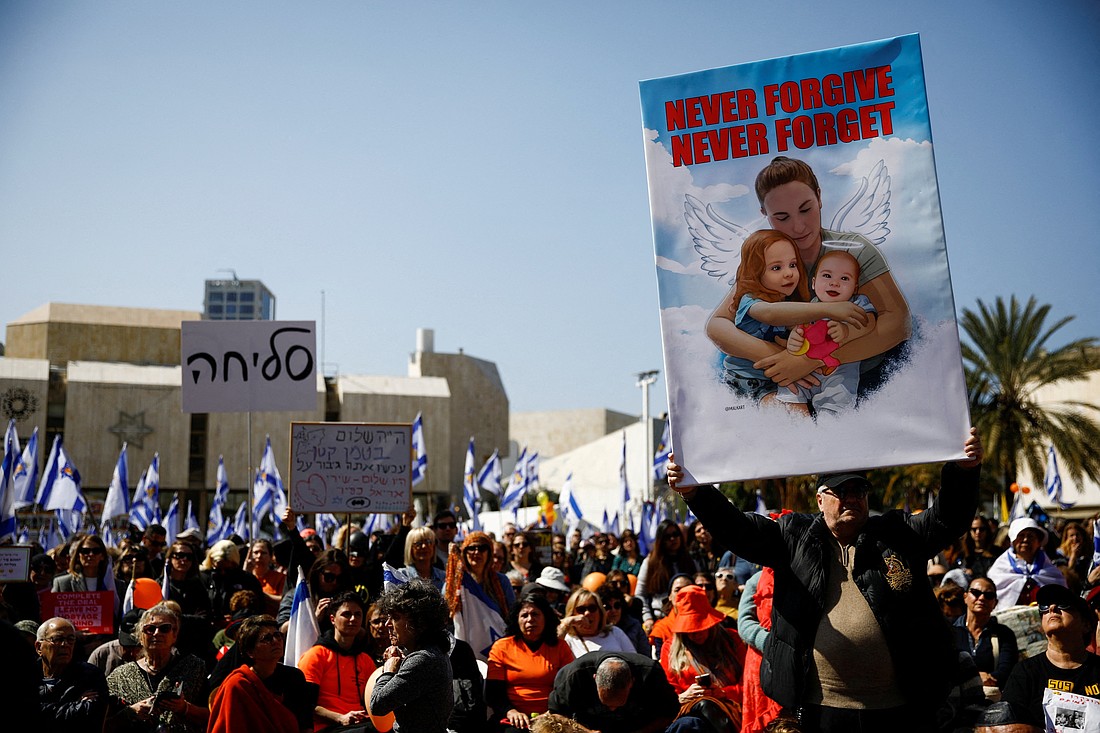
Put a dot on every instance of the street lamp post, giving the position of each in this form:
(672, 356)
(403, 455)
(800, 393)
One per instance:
(645, 379)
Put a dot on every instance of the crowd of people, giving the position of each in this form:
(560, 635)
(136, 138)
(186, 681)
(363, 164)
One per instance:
(840, 620)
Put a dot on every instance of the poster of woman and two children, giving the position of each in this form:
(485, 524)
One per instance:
(806, 306)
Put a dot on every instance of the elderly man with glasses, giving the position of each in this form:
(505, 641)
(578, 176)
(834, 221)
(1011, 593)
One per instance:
(72, 694)
(857, 641)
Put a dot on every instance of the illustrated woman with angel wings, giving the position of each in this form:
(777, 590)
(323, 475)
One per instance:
(790, 198)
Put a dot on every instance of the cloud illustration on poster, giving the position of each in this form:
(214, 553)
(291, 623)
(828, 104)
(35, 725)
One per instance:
(667, 209)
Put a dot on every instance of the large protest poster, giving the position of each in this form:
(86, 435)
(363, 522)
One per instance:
(857, 276)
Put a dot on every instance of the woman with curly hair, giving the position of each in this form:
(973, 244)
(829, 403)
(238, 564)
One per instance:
(415, 684)
(668, 557)
(478, 598)
(522, 664)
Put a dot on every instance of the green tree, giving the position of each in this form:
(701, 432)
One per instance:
(1008, 358)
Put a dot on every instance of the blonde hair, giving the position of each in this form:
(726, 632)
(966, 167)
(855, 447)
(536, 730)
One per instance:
(580, 595)
(417, 535)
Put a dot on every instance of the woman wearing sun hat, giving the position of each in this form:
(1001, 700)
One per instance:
(1024, 567)
(704, 662)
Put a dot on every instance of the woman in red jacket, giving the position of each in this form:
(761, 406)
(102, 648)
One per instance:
(704, 662)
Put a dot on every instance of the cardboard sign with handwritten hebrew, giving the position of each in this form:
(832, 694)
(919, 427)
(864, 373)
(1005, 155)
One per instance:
(342, 468)
(249, 366)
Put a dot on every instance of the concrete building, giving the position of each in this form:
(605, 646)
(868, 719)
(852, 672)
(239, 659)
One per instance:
(560, 431)
(237, 300)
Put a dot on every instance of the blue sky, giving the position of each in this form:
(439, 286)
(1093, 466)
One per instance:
(479, 168)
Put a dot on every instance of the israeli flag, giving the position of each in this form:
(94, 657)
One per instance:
(8, 523)
(273, 482)
(60, 488)
(139, 510)
(1052, 481)
(327, 524)
(419, 451)
(532, 470)
(568, 501)
(190, 521)
(470, 491)
(479, 622)
(152, 490)
(216, 524)
(647, 530)
(302, 630)
(517, 486)
(25, 474)
(117, 503)
(172, 519)
(662, 456)
(490, 475)
(240, 522)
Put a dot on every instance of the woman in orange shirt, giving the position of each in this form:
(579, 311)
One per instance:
(522, 664)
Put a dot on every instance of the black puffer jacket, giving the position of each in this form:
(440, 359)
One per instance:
(891, 555)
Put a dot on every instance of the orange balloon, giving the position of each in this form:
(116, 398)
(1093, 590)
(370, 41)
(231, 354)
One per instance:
(1014, 488)
(382, 723)
(1025, 489)
(633, 582)
(593, 581)
(147, 593)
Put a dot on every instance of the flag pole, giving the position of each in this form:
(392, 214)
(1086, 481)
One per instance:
(251, 479)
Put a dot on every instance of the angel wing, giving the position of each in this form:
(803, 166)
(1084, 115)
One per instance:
(717, 240)
(868, 210)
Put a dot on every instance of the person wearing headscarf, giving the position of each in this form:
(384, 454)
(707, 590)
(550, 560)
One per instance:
(1024, 568)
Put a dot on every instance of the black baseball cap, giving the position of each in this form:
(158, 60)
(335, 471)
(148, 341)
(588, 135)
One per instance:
(834, 480)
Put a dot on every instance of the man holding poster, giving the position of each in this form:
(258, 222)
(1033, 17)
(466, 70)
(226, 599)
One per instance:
(857, 639)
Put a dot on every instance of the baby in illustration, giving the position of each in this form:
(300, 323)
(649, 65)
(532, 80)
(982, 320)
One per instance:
(759, 305)
(835, 280)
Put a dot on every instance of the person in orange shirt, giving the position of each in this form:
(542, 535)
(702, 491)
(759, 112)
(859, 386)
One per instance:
(340, 665)
(523, 664)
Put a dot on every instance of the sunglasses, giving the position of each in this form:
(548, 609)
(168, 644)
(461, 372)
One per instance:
(330, 577)
(423, 543)
(843, 492)
(472, 549)
(614, 606)
(619, 581)
(1054, 608)
(88, 551)
(446, 525)
(723, 576)
(269, 637)
(178, 556)
(520, 544)
(706, 586)
(989, 595)
(150, 629)
(586, 609)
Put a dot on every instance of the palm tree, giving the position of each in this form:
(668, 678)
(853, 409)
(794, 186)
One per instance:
(1007, 360)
